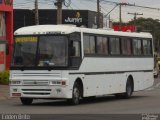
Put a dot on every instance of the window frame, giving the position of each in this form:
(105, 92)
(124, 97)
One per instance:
(118, 55)
(107, 45)
(131, 48)
(137, 39)
(69, 50)
(151, 47)
(95, 50)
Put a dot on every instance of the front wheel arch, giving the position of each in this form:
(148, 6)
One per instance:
(77, 88)
(80, 84)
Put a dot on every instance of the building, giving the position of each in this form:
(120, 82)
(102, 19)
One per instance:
(24, 17)
(6, 33)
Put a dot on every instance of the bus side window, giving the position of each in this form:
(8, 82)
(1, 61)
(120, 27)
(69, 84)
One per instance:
(114, 45)
(147, 49)
(126, 46)
(137, 46)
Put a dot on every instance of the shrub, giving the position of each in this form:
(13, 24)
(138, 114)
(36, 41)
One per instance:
(4, 77)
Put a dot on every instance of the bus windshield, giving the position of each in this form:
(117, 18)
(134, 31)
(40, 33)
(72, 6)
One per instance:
(40, 51)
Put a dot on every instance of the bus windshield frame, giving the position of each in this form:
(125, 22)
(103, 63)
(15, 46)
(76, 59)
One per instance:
(39, 53)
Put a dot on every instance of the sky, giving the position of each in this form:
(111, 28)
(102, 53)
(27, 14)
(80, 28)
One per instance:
(105, 7)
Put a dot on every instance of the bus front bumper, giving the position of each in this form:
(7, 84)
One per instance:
(40, 92)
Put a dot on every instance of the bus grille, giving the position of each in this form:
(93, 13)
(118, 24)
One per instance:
(36, 74)
(36, 82)
(36, 91)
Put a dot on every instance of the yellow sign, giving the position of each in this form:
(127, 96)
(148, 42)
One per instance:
(26, 39)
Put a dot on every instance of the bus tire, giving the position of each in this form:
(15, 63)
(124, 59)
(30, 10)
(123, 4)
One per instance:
(76, 95)
(26, 101)
(129, 88)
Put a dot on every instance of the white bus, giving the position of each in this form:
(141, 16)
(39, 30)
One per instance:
(68, 62)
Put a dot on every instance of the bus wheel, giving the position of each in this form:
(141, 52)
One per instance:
(75, 95)
(129, 88)
(26, 101)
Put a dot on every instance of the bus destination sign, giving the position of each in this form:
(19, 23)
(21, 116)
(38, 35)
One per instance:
(26, 39)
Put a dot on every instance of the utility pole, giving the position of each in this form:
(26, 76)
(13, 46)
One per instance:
(98, 13)
(36, 13)
(135, 17)
(58, 4)
(120, 12)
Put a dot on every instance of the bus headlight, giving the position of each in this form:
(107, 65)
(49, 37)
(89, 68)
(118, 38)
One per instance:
(15, 82)
(62, 82)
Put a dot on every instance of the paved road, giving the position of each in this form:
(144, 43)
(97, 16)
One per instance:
(142, 102)
(147, 101)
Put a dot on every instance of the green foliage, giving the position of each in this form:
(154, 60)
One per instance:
(4, 78)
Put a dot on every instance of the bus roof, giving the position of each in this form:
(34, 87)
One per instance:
(67, 29)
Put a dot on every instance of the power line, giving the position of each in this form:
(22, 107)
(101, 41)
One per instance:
(106, 6)
(135, 16)
(128, 4)
(110, 11)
